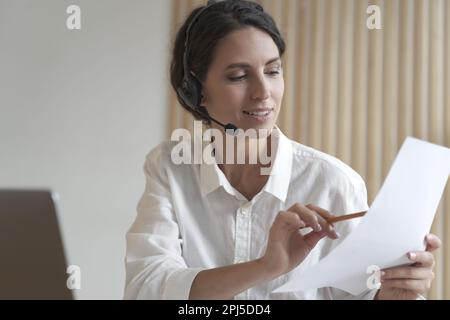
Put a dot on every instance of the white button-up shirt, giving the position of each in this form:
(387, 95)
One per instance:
(190, 218)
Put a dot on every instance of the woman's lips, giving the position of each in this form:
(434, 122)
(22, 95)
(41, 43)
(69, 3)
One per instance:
(259, 115)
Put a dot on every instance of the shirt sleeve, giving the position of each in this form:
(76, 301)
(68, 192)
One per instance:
(155, 268)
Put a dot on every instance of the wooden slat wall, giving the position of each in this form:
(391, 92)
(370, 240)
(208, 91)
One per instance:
(446, 224)
(357, 93)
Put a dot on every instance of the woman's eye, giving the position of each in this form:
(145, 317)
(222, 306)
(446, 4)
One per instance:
(274, 72)
(235, 79)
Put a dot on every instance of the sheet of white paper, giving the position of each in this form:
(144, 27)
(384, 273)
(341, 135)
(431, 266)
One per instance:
(399, 218)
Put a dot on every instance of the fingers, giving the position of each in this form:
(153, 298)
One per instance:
(314, 220)
(415, 273)
(289, 220)
(417, 286)
(324, 213)
(322, 217)
(312, 238)
(418, 277)
(433, 242)
(307, 215)
(422, 258)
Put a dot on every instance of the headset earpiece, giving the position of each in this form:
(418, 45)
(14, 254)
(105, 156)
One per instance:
(191, 91)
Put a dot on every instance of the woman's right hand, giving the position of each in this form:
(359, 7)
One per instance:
(287, 247)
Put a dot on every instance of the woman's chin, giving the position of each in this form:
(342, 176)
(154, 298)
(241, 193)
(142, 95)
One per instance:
(262, 130)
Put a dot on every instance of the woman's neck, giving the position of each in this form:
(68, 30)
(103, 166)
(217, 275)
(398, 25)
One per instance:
(249, 157)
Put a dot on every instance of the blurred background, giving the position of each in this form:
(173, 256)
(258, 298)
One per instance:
(80, 109)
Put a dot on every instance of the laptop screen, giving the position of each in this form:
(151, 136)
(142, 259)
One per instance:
(33, 263)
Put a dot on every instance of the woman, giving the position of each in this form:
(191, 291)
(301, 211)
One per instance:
(224, 230)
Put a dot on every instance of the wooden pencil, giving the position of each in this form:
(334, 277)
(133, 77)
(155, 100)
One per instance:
(346, 217)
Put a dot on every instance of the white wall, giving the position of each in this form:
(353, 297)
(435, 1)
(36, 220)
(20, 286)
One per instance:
(79, 110)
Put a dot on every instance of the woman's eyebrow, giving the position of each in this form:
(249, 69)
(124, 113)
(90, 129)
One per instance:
(246, 65)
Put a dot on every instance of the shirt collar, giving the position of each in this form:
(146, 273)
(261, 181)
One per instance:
(279, 180)
(211, 177)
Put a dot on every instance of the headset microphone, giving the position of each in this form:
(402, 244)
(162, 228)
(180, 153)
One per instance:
(228, 127)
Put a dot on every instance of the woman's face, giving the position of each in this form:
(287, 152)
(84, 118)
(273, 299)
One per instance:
(244, 85)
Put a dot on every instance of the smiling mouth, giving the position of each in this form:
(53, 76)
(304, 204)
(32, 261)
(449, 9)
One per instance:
(264, 113)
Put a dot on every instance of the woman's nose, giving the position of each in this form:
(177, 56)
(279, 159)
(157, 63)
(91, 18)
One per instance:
(260, 89)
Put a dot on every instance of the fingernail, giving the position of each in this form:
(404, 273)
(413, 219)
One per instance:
(337, 234)
(318, 228)
(412, 256)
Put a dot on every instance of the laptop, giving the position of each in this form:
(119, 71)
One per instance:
(32, 260)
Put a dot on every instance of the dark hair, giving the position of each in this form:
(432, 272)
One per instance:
(215, 23)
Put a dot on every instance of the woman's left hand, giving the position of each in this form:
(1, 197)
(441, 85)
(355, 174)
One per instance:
(408, 282)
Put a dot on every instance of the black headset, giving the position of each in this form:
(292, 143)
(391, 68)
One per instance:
(190, 91)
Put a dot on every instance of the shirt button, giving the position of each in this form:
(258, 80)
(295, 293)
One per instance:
(244, 211)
